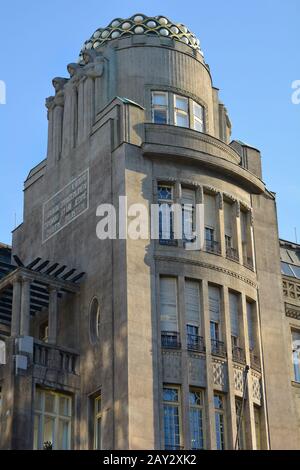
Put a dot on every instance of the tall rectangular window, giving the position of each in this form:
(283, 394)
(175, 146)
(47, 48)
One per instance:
(198, 112)
(210, 223)
(166, 215)
(181, 109)
(160, 112)
(196, 412)
(188, 200)
(234, 319)
(250, 321)
(220, 421)
(296, 354)
(192, 312)
(172, 426)
(214, 297)
(97, 422)
(52, 420)
(168, 312)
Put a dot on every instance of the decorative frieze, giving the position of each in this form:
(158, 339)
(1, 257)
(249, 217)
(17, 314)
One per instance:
(219, 371)
(291, 290)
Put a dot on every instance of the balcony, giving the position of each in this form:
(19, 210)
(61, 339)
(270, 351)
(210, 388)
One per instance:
(218, 348)
(255, 361)
(195, 343)
(232, 253)
(238, 355)
(55, 358)
(170, 340)
(212, 246)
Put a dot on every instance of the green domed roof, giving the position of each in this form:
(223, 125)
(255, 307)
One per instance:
(141, 24)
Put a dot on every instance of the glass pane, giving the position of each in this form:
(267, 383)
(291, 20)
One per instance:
(182, 119)
(49, 403)
(171, 427)
(160, 99)
(296, 270)
(198, 125)
(198, 111)
(220, 431)
(196, 429)
(64, 406)
(170, 394)
(38, 400)
(63, 435)
(160, 116)
(48, 437)
(165, 192)
(285, 269)
(218, 401)
(181, 103)
(98, 405)
(196, 398)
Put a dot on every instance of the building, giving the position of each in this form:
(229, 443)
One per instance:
(143, 344)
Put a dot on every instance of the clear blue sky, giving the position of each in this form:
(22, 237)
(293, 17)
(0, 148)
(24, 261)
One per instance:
(252, 47)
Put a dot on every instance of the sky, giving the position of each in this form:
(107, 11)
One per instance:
(252, 47)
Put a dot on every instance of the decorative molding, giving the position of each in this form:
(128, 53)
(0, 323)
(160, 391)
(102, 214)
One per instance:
(208, 266)
(219, 374)
(292, 311)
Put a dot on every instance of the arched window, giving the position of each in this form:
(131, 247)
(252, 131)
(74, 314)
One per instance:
(95, 321)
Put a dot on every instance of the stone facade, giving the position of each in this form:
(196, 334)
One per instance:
(83, 316)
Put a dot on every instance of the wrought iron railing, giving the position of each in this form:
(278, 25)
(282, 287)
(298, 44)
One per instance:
(238, 355)
(255, 361)
(232, 253)
(212, 246)
(170, 340)
(218, 348)
(195, 343)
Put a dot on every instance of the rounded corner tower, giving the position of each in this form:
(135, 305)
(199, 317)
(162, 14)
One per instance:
(162, 327)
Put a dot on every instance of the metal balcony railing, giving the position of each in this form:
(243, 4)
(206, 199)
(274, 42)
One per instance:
(212, 246)
(232, 253)
(238, 355)
(195, 343)
(173, 447)
(218, 348)
(170, 340)
(255, 361)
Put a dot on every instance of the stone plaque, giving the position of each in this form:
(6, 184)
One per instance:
(66, 205)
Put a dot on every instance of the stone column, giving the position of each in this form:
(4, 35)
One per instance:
(53, 316)
(49, 106)
(80, 114)
(89, 106)
(239, 232)
(25, 307)
(70, 118)
(58, 114)
(16, 308)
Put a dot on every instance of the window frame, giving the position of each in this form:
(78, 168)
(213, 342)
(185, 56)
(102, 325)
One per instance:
(178, 406)
(155, 107)
(196, 118)
(296, 367)
(55, 416)
(201, 408)
(180, 111)
(97, 416)
(220, 412)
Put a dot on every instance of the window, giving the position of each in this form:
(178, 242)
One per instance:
(296, 354)
(181, 111)
(198, 112)
(178, 110)
(166, 215)
(97, 422)
(172, 431)
(196, 411)
(95, 321)
(220, 421)
(192, 312)
(210, 222)
(188, 214)
(214, 294)
(240, 423)
(160, 107)
(250, 325)
(52, 420)
(234, 319)
(168, 312)
(43, 334)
